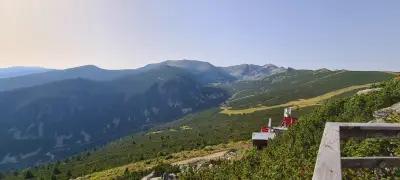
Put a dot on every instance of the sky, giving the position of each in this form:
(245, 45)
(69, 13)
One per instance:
(125, 34)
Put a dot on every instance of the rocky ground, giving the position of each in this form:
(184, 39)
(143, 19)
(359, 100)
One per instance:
(197, 163)
(387, 114)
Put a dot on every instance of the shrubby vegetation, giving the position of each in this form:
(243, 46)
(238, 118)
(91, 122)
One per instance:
(195, 131)
(159, 170)
(293, 155)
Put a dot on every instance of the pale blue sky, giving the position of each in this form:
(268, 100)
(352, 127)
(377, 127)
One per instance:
(336, 34)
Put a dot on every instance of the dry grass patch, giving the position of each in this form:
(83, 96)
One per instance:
(179, 157)
(300, 103)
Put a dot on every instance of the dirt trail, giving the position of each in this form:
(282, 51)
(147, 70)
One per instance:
(179, 158)
(214, 156)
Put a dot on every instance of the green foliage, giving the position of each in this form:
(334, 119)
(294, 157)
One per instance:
(28, 175)
(394, 118)
(56, 171)
(293, 154)
(165, 168)
(158, 170)
(69, 174)
(134, 175)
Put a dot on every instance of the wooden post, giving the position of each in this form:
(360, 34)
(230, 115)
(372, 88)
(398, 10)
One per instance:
(328, 166)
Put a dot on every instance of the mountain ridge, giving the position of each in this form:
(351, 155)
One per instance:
(63, 117)
(253, 72)
(16, 71)
(204, 71)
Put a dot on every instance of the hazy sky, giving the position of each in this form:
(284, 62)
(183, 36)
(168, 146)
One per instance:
(359, 34)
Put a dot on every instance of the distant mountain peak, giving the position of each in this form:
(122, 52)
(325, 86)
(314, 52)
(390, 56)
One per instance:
(85, 67)
(204, 71)
(323, 70)
(253, 72)
(191, 64)
(270, 66)
(185, 61)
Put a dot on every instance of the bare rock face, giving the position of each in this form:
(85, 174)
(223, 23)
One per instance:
(383, 114)
(253, 72)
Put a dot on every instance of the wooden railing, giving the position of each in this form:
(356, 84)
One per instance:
(329, 161)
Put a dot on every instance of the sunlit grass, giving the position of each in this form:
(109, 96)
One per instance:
(240, 146)
(299, 103)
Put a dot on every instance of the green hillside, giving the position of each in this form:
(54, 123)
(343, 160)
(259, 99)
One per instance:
(297, 84)
(292, 155)
(194, 131)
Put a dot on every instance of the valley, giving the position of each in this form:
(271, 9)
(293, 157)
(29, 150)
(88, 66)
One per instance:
(141, 119)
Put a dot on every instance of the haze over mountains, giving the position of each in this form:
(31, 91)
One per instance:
(51, 115)
(20, 71)
(204, 71)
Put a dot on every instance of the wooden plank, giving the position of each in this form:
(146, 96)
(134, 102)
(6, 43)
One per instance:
(358, 132)
(328, 165)
(370, 125)
(367, 130)
(370, 162)
(329, 162)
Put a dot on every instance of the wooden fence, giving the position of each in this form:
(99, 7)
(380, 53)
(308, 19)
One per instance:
(329, 161)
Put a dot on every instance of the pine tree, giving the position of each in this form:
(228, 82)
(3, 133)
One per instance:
(29, 175)
(56, 171)
(69, 174)
(53, 177)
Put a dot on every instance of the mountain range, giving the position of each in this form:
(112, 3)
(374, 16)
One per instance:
(203, 71)
(50, 115)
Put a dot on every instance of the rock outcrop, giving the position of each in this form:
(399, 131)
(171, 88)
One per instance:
(382, 115)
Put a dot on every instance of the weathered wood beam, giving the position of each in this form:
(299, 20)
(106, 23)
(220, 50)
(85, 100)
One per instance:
(370, 162)
(328, 166)
(368, 130)
(329, 161)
